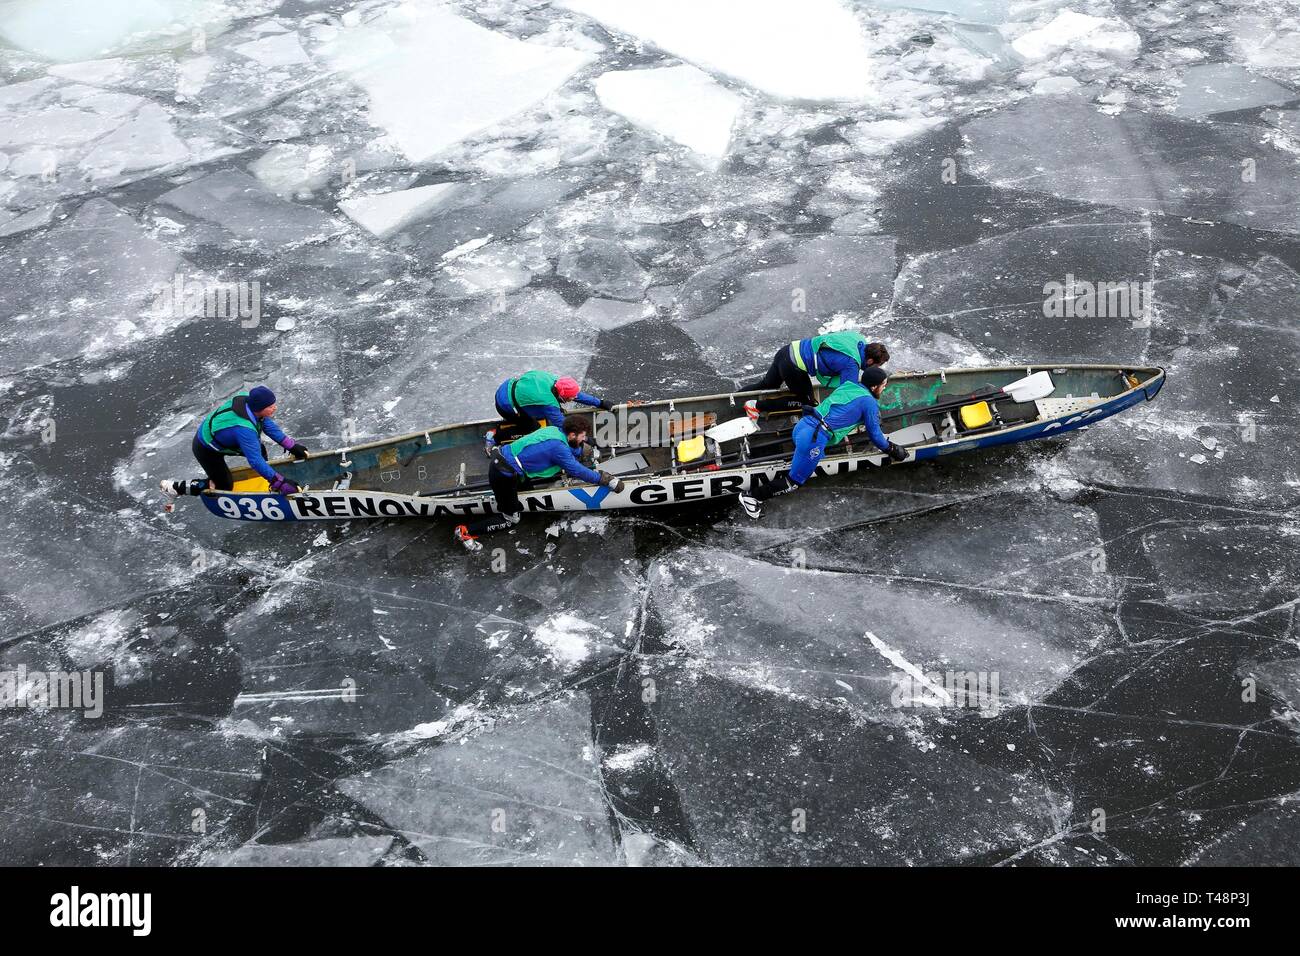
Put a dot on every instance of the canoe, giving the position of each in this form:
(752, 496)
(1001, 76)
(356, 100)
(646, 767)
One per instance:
(685, 450)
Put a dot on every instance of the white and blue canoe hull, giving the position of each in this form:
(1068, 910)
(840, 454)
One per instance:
(640, 491)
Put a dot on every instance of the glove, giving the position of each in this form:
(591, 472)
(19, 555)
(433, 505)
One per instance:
(298, 451)
(897, 452)
(613, 482)
(283, 486)
(606, 405)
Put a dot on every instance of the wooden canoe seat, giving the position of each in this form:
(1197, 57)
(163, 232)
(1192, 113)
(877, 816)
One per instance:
(689, 425)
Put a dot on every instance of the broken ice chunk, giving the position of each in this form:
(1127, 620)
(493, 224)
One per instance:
(67, 30)
(282, 49)
(1223, 87)
(611, 313)
(387, 213)
(813, 50)
(242, 206)
(1056, 85)
(32, 219)
(1070, 30)
(146, 142)
(434, 78)
(679, 102)
(87, 279)
(605, 267)
(532, 772)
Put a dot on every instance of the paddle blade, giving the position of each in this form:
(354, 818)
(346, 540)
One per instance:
(1031, 388)
(729, 431)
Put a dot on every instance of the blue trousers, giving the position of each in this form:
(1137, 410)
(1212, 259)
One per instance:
(809, 443)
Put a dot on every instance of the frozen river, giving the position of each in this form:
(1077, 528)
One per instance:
(424, 198)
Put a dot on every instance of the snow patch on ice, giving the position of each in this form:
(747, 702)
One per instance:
(626, 758)
(569, 639)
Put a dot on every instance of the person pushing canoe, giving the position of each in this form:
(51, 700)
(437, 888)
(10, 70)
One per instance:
(851, 405)
(236, 428)
(830, 360)
(532, 400)
(541, 455)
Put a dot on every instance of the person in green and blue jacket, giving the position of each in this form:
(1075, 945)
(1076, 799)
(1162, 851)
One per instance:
(850, 406)
(236, 427)
(828, 360)
(538, 456)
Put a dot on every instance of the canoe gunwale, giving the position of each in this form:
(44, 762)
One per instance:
(664, 402)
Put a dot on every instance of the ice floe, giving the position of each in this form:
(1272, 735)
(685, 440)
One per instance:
(1070, 30)
(679, 102)
(434, 78)
(383, 214)
(813, 51)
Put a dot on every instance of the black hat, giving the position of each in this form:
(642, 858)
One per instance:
(873, 376)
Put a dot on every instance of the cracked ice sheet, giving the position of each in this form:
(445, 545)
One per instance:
(476, 214)
(815, 52)
(90, 795)
(537, 330)
(744, 759)
(83, 288)
(47, 532)
(434, 78)
(391, 610)
(1214, 429)
(799, 631)
(65, 139)
(1270, 838)
(329, 851)
(741, 309)
(995, 291)
(243, 207)
(524, 790)
(1136, 160)
(1229, 570)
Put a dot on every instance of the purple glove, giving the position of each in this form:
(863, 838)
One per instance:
(283, 486)
(297, 449)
